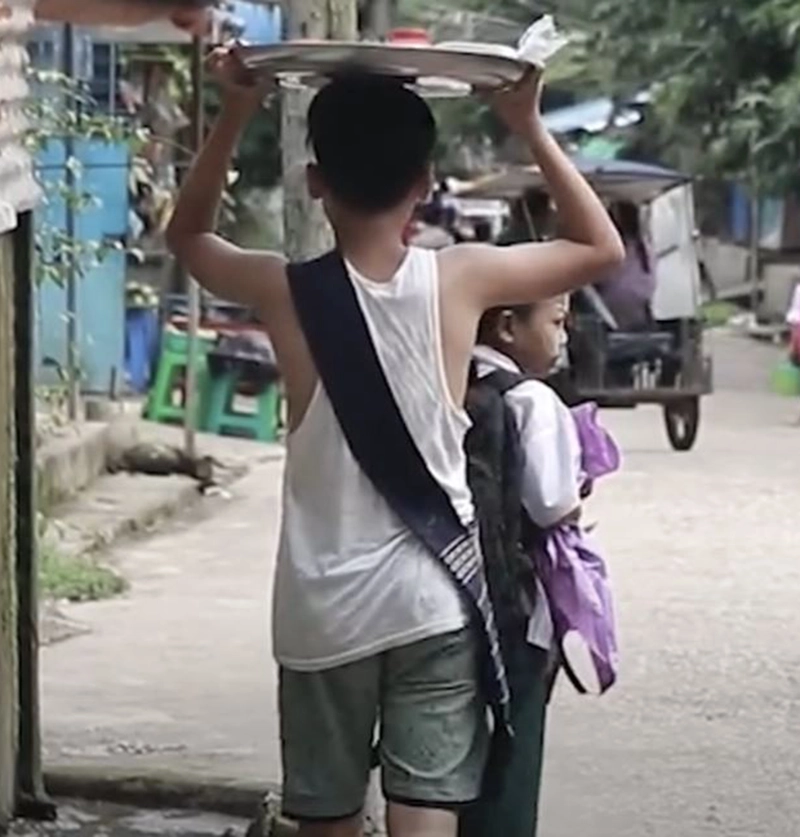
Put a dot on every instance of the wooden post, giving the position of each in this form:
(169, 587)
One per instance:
(192, 396)
(306, 233)
(32, 798)
(8, 588)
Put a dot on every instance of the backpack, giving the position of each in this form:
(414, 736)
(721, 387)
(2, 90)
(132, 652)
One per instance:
(494, 473)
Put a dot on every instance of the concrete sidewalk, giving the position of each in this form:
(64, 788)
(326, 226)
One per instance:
(98, 509)
(177, 676)
(101, 820)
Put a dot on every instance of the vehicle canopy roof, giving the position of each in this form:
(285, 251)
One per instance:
(617, 180)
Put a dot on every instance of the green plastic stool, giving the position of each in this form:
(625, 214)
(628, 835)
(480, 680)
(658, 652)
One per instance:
(786, 379)
(222, 418)
(172, 363)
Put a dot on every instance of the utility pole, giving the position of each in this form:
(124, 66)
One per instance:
(306, 232)
(379, 18)
(193, 289)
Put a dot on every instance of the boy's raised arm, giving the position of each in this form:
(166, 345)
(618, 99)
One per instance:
(244, 276)
(588, 244)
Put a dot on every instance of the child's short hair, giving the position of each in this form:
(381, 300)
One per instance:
(490, 321)
(373, 139)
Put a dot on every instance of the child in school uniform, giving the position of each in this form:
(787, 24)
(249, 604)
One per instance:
(563, 451)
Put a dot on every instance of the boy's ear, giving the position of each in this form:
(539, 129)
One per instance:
(316, 187)
(424, 188)
(505, 327)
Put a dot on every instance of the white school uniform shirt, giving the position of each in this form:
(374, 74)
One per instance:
(551, 471)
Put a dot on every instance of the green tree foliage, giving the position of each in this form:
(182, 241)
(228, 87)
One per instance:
(725, 78)
(466, 125)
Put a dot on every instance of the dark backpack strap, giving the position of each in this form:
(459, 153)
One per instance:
(351, 373)
(503, 380)
(500, 380)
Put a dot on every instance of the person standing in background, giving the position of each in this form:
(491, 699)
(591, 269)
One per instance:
(629, 290)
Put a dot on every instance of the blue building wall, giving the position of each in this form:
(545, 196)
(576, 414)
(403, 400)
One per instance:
(104, 174)
(101, 293)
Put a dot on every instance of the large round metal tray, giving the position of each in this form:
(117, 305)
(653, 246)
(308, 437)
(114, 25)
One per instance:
(434, 70)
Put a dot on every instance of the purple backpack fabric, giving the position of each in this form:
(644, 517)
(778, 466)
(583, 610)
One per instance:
(575, 575)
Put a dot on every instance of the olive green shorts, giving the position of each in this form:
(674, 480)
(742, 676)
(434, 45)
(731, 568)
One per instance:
(426, 703)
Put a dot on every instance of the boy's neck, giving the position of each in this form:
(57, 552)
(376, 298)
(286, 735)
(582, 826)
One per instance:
(374, 245)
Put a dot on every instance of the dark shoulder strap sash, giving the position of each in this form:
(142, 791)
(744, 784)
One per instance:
(351, 373)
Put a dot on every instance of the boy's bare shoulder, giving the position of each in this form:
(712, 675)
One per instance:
(463, 260)
(474, 265)
(517, 274)
(480, 258)
(267, 275)
(462, 254)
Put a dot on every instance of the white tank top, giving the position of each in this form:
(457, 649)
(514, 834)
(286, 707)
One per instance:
(351, 579)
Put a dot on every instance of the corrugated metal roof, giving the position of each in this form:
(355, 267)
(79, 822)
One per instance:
(18, 186)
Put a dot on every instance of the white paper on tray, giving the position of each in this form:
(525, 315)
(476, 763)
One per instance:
(540, 42)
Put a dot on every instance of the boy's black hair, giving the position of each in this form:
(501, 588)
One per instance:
(489, 322)
(373, 139)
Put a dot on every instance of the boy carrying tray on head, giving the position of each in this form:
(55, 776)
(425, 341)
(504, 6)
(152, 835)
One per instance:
(370, 625)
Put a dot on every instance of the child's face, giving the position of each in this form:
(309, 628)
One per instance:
(538, 338)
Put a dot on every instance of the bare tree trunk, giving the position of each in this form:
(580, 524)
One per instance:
(306, 233)
(342, 20)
